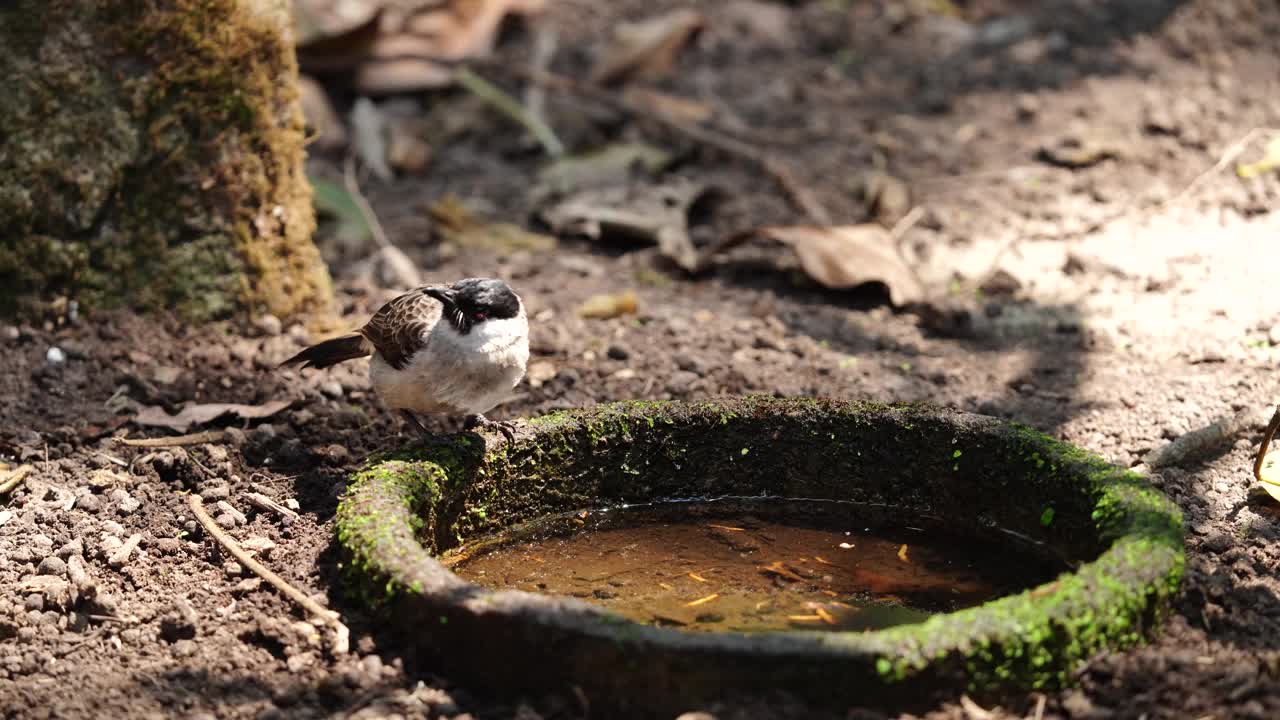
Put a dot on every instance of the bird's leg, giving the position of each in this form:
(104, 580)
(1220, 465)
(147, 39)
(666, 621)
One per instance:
(414, 421)
(506, 427)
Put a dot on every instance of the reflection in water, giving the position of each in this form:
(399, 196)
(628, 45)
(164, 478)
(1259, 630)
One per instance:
(749, 572)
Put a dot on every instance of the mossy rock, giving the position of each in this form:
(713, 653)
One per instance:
(152, 158)
(979, 475)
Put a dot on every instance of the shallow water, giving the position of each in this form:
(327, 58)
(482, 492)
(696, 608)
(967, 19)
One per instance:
(700, 567)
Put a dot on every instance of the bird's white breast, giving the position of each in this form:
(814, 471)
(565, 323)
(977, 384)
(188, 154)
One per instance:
(457, 374)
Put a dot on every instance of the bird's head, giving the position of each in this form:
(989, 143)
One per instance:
(473, 301)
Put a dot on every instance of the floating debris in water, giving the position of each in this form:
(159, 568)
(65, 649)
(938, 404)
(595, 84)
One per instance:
(766, 577)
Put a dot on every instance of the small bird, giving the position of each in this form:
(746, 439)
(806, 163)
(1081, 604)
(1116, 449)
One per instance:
(458, 349)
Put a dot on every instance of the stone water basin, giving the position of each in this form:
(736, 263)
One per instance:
(1029, 555)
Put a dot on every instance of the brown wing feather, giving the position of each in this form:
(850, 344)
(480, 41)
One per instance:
(399, 328)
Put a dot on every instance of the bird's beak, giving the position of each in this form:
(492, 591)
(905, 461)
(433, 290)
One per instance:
(443, 294)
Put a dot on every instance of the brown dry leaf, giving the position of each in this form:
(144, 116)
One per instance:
(647, 50)
(651, 214)
(391, 46)
(840, 257)
(675, 107)
(607, 307)
(610, 165)
(328, 132)
(201, 414)
(334, 28)
(369, 138)
(464, 29)
(454, 222)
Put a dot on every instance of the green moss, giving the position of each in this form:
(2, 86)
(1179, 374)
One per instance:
(152, 157)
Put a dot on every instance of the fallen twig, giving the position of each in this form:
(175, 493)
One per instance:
(545, 42)
(342, 640)
(508, 106)
(352, 185)
(1266, 443)
(799, 195)
(1201, 442)
(399, 265)
(200, 438)
(1231, 153)
(13, 478)
(265, 503)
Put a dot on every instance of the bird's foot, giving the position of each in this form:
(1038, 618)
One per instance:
(506, 427)
(413, 420)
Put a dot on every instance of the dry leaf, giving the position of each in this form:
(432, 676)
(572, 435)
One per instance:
(327, 129)
(840, 257)
(763, 23)
(464, 29)
(201, 414)
(1080, 151)
(647, 50)
(677, 108)
(393, 47)
(334, 28)
(605, 307)
(610, 165)
(454, 222)
(1270, 161)
(650, 214)
(1269, 474)
(369, 138)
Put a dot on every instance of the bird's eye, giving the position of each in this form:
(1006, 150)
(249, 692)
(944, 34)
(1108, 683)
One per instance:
(479, 316)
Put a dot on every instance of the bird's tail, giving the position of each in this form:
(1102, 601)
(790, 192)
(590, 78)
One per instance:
(331, 352)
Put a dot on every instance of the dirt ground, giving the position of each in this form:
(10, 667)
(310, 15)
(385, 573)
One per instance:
(1132, 307)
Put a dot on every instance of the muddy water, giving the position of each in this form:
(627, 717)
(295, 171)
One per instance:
(700, 567)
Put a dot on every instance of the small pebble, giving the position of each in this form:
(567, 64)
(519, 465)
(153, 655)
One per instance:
(214, 493)
(52, 565)
(75, 547)
(270, 325)
(11, 333)
(228, 509)
(55, 356)
(247, 585)
(618, 352)
(331, 389)
(232, 568)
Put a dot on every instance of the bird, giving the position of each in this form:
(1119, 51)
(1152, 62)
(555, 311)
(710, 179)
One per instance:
(456, 349)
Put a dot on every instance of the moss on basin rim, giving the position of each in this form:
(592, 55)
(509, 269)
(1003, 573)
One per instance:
(972, 473)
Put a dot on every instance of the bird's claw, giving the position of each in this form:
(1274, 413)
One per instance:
(506, 427)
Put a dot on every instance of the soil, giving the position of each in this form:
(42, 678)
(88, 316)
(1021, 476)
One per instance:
(1129, 308)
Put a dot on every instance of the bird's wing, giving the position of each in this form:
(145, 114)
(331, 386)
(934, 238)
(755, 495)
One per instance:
(402, 326)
